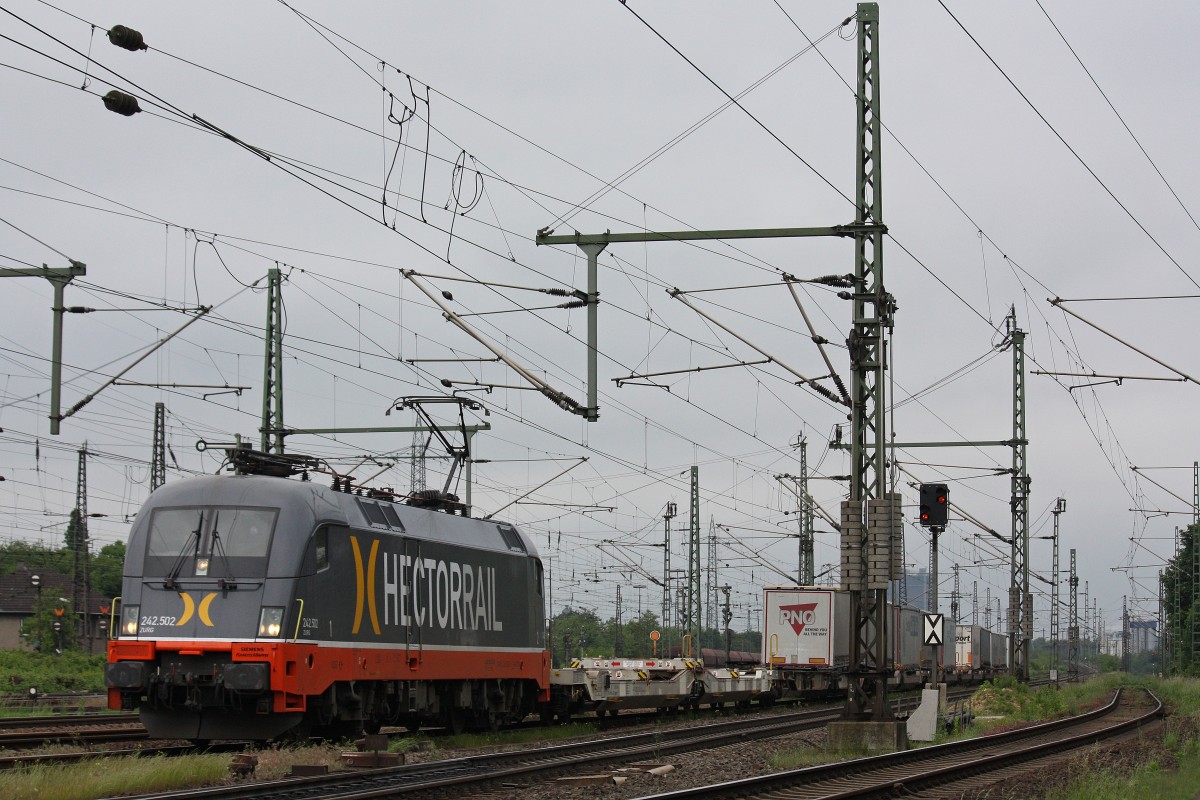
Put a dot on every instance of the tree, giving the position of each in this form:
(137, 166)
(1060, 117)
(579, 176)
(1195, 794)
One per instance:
(107, 568)
(578, 633)
(34, 556)
(76, 531)
(48, 610)
(637, 635)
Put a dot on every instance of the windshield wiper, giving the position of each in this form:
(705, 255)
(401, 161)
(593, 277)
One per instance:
(219, 548)
(170, 583)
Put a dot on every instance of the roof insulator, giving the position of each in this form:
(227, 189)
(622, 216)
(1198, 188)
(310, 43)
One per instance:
(127, 38)
(124, 104)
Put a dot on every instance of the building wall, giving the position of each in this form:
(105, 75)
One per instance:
(10, 632)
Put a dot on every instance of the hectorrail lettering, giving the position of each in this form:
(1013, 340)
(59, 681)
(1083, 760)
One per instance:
(450, 595)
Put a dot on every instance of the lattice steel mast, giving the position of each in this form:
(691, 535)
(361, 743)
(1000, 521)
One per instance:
(867, 557)
(158, 456)
(1195, 594)
(666, 598)
(710, 583)
(79, 549)
(272, 408)
(1020, 601)
(974, 602)
(1073, 625)
(416, 473)
(1060, 506)
(1125, 654)
(692, 623)
(805, 571)
(954, 598)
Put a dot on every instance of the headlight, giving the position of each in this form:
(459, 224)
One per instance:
(270, 622)
(129, 620)
(201, 566)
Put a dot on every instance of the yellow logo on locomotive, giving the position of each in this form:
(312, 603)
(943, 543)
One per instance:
(190, 608)
(364, 584)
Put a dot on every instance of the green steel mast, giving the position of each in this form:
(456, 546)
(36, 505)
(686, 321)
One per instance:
(692, 604)
(1020, 601)
(867, 560)
(272, 408)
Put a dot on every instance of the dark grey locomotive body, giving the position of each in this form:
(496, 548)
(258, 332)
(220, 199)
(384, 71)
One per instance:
(252, 605)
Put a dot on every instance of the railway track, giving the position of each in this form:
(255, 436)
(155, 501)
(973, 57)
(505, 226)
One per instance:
(471, 773)
(948, 769)
(78, 735)
(42, 759)
(60, 720)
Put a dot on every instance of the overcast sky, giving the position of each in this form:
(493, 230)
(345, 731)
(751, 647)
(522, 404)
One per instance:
(993, 200)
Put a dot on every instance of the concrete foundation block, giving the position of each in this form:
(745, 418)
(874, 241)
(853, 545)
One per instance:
(872, 737)
(922, 725)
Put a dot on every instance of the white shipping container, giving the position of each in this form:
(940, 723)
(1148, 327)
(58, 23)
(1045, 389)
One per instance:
(805, 627)
(906, 637)
(967, 647)
(977, 648)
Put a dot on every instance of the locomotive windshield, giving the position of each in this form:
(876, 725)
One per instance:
(216, 541)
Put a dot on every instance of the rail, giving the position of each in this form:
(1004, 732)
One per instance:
(894, 774)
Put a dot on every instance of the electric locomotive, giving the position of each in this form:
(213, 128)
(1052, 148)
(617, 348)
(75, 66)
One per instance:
(258, 605)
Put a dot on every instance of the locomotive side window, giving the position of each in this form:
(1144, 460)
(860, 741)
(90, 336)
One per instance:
(321, 548)
(316, 550)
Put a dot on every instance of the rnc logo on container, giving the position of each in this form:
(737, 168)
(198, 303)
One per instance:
(798, 616)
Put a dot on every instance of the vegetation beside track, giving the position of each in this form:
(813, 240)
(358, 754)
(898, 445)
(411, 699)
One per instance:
(1004, 704)
(470, 741)
(21, 670)
(85, 781)
(1011, 702)
(157, 774)
(1164, 768)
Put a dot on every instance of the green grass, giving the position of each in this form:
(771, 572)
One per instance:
(1150, 780)
(70, 672)
(545, 733)
(109, 777)
(811, 756)
(1174, 773)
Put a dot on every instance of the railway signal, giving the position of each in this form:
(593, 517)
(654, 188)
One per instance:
(935, 504)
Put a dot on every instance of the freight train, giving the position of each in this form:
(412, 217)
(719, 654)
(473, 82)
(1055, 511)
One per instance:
(806, 645)
(261, 606)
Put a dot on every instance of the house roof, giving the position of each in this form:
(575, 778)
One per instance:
(18, 595)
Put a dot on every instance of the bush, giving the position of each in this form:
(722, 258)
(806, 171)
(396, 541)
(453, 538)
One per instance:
(69, 672)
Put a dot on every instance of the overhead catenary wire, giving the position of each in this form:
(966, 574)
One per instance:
(1072, 150)
(1120, 118)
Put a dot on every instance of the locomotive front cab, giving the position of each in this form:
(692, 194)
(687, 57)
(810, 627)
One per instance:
(205, 610)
